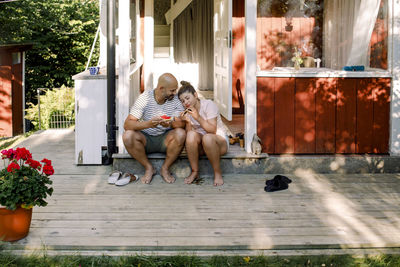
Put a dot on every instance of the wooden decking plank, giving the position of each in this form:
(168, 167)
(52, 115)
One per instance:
(188, 216)
(349, 233)
(379, 224)
(209, 208)
(184, 243)
(173, 196)
(318, 211)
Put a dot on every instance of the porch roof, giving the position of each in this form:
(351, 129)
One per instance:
(15, 47)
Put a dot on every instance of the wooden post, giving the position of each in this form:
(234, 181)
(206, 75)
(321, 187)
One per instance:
(124, 55)
(394, 66)
(250, 70)
(148, 43)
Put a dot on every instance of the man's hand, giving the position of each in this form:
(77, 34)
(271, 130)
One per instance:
(153, 122)
(166, 123)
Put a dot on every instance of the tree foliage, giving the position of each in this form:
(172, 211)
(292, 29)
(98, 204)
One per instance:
(61, 31)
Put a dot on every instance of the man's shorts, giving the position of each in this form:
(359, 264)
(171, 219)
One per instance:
(155, 144)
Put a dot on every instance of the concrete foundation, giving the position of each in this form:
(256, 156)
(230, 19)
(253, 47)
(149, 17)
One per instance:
(243, 163)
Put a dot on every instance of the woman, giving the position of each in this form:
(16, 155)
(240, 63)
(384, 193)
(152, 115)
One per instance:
(205, 132)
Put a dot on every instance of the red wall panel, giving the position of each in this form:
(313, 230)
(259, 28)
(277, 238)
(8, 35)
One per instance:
(381, 97)
(325, 115)
(304, 116)
(346, 115)
(266, 113)
(365, 114)
(5, 101)
(238, 24)
(17, 100)
(284, 115)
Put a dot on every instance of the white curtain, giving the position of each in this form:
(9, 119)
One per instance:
(348, 26)
(193, 40)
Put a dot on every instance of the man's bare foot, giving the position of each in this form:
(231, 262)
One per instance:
(148, 176)
(218, 179)
(193, 176)
(168, 178)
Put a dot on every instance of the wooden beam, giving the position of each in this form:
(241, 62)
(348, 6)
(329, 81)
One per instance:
(176, 9)
(251, 71)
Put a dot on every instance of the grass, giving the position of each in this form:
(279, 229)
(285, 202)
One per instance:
(9, 142)
(8, 260)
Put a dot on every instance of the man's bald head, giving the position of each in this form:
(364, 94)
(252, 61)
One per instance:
(167, 86)
(167, 80)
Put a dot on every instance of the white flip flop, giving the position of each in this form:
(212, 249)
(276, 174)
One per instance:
(114, 176)
(126, 178)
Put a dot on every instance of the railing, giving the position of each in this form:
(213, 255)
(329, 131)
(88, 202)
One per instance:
(58, 117)
(58, 120)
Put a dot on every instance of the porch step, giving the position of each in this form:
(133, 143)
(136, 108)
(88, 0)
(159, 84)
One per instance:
(240, 162)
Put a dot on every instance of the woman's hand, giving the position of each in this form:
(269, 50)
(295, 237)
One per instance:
(184, 117)
(194, 113)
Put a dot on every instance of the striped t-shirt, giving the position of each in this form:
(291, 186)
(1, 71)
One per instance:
(146, 107)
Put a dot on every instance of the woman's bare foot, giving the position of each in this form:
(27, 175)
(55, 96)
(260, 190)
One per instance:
(193, 176)
(148, 176)
(168, 178)
(218, 179)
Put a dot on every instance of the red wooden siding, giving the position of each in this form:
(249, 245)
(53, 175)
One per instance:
(284, 115)
(346, 116)
(365, 110)
(305, 116)
(266, 113)
(238, 24)
(381, 97)
(17, 100)
(5, 101)
(323, 115)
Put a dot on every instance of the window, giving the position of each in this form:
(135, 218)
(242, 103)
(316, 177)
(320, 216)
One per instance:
(340, 33)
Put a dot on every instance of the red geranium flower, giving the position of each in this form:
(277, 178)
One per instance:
(46, 161)
(34, 164)
(48, 170)
(9, 154)
(22, 153)
(13, 166)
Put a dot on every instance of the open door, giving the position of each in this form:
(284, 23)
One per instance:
(223, 57)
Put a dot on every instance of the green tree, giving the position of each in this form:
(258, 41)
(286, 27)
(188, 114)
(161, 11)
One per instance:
(61, 31)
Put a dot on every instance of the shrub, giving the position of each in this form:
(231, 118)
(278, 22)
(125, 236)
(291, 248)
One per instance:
(56, 101)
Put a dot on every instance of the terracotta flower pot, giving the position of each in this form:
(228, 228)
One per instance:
(14, 224)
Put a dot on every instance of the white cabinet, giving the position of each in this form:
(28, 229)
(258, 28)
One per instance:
(90, 117)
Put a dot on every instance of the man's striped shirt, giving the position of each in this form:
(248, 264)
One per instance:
(146, 107)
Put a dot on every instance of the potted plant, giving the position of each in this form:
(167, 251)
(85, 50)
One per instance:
(24, 183)
(297, 59)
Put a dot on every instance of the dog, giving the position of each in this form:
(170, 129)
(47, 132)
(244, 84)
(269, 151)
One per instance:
(256, 145)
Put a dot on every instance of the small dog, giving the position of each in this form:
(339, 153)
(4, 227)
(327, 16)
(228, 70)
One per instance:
(256, 145)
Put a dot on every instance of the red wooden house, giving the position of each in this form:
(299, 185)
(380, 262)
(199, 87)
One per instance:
(317, 109)
(12, 91)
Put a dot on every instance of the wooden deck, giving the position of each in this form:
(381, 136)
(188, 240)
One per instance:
(324, 213)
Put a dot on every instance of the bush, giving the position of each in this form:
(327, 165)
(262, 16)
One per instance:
(59, 101)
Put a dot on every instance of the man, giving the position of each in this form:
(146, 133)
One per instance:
(147, 132)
